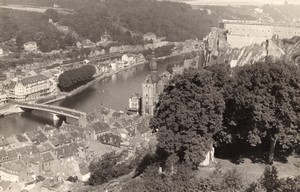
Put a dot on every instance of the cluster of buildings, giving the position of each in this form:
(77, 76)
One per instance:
(47, 153)
(127, 60)
(244, 33)
(27, 85)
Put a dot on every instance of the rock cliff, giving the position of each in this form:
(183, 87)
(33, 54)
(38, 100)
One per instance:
(218, 51)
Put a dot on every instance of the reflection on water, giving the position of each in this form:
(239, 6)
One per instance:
(22, 122)
(112, 92)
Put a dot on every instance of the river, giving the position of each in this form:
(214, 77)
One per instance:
(112, 92)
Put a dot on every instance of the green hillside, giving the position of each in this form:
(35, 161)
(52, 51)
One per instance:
(175, 21)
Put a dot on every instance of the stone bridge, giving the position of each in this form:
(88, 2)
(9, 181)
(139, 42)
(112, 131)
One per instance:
(58, 112)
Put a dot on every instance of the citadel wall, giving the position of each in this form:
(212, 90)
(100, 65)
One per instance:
(245, 33)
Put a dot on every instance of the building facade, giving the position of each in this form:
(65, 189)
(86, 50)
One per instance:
(30, 46)
(135, 102)
(244, 33)
(31, 88)
(14, 172)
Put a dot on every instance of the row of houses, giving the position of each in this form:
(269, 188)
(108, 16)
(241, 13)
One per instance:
(40, 154)
(117, 129)
(23, 157)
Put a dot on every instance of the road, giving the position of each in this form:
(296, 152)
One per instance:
(34, 8)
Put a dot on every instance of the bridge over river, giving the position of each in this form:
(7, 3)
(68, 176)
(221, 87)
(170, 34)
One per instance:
(72, 116)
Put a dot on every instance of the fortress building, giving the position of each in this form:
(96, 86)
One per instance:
(244, 33)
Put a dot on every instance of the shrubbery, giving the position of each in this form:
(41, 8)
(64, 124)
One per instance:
(269, 182)
(109, 167)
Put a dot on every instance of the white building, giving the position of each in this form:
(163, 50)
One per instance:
(113, 66)
(127, 58)
(135, 102)
(34, 87)
(31, 46)
(150, 37)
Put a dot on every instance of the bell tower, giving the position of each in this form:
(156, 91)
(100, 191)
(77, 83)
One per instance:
(150, 88)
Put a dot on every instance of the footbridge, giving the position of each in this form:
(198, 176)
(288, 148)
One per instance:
(72, 116)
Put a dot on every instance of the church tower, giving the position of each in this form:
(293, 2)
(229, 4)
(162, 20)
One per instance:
(150, 95)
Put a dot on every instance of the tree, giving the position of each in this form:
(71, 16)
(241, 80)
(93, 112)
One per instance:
(75, 77)
(85, 52)
(164, 50)
(169, 68)
(188, 116)
(102, 170)
(232, 181)
(53, 14)
(19, 42)
(264, 104)
(270, 179)
(39, 36)
(269, 182)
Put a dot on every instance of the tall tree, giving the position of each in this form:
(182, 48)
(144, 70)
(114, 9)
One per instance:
(265, 105)
(188, 115)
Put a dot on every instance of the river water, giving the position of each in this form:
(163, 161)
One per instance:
(112, 92)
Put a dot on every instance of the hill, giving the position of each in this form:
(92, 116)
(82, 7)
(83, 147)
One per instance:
(31, 26)
(127, 20)
(175, 21)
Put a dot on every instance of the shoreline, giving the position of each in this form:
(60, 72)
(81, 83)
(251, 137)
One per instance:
(97, 78)
(10, 109)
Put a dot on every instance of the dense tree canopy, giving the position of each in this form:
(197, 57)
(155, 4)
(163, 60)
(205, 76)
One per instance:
(111, 166)
(75, 77)
(188, 115)
(261, 110)
(175, 21)
(264, 105)
(30, 26)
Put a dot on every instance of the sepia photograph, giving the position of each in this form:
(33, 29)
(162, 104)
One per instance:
(149, 95)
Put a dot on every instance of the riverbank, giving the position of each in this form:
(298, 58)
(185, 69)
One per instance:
(11, 109)
(64, 95)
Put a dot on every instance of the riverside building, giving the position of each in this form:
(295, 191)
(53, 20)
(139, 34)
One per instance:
(31, 88)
